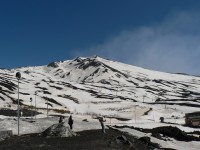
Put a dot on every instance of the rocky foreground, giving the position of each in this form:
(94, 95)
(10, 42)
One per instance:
(85, 140)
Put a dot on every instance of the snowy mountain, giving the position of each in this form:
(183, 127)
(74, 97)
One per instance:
(99, 86)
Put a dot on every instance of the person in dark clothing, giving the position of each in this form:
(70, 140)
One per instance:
(102, 120)
(61, 119)
(70, 122)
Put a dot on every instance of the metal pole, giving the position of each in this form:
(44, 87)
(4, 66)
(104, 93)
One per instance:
(18, 76)
(31, 111)
(35, 105)
(47, 108)
(18, 109)
(31, 108)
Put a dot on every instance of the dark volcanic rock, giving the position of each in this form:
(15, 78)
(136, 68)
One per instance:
(87, 140)
(123, 140)
(175, 133)
(147, 140)
(52, 64)
(58, 130)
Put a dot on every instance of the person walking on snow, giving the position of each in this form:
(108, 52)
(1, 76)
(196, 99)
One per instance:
(61, 119)
(101, 120)
(70, 122)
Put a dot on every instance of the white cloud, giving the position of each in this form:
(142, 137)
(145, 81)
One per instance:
(172, 45)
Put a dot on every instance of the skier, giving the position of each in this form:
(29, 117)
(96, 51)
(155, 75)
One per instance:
(101, 120)
(70, 122)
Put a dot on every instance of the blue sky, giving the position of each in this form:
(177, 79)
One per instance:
(155, 34)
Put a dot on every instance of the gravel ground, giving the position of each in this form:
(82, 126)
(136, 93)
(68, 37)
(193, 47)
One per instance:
(86, 140)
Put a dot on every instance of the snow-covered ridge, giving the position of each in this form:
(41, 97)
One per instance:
(97, 85)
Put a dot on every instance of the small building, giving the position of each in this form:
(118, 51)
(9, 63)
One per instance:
(192, 119)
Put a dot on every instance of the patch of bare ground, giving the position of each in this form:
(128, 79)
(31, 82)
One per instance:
(86, 140)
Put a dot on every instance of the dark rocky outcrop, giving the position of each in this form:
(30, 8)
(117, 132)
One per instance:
(147, 141)
(58, 130)
(175, 132)
(123, 140)
(5, 134)
(52, 64)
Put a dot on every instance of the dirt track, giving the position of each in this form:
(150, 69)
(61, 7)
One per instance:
(87, 140)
